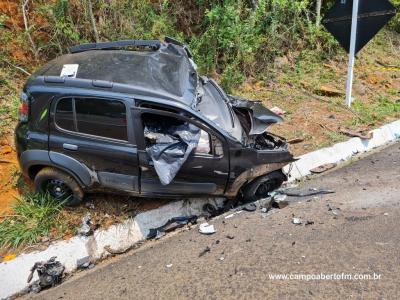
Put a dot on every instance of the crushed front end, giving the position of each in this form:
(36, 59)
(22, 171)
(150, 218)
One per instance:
(257, 153)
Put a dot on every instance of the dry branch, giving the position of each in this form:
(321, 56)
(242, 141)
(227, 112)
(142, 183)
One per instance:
(24, 14)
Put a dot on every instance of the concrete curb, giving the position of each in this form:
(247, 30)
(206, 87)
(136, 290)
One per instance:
(13, 274)
(343, 151)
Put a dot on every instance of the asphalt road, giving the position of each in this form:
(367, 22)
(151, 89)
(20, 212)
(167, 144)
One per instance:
(359, 236)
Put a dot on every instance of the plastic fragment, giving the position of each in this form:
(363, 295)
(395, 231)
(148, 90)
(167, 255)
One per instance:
(206, 228)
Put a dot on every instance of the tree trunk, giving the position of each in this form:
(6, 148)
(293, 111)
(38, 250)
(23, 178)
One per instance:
(93, 21)
(318, 12)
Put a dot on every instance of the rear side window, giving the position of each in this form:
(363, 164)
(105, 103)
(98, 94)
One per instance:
(99, 117)
(65, 115)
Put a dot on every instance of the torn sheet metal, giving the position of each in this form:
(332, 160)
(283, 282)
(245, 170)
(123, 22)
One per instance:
(170, 147)
(259, 117)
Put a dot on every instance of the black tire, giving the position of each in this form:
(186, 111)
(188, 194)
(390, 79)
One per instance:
(59, 185)
(259, 187)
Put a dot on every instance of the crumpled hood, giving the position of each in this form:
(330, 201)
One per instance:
(254, 117)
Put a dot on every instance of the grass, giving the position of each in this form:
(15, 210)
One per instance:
(9, 100)
(377, 111)
(34, 216)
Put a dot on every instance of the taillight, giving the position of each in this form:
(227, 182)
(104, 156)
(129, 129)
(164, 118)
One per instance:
(23, 111)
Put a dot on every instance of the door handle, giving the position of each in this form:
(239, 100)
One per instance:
(70, 147)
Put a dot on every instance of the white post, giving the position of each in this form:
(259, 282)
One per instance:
(353, 39)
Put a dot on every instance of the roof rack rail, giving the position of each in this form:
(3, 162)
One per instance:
(171, 40)
(152, 44)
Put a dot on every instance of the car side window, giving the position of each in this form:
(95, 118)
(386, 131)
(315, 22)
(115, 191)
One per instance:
(101, 117)
(64, 114)
(158, 126)
(94, 116)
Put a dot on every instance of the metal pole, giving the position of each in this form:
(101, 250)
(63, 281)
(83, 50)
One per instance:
(353, 40)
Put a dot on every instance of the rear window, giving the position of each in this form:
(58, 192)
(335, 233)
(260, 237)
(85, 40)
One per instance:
(99, 117)
(64, 114)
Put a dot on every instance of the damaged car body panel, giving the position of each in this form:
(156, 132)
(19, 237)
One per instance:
(143, 122)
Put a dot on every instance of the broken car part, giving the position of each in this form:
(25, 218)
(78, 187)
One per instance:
(297, 221)
(86, 228)
(50, 274)
(309, 192)
(206, 228)
(171, 225)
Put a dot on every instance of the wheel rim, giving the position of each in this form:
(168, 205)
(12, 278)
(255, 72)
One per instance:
(58, 189)
(264, 188)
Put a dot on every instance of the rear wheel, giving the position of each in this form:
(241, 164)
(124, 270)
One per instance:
(59, 185)
(261, 186)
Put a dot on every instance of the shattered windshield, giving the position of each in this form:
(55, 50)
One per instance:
(213, 106)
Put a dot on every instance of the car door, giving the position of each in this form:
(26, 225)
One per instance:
(201, 174)
(95, 131)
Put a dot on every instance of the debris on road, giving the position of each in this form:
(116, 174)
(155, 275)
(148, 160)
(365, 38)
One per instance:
(83, 263)
(231, 215)
(172, 224)
(279, 200)
(86, 228)
(250, 207)
(206, 250)
(169, 265)
(211, 210)
(323, 168)
(309, 223)
(121, 251)
(297, 221)
(334, 210)
(206, 228)
(231, 237)
(50, 274)
(309, 192)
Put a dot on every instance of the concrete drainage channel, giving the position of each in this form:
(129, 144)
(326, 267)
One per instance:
(119, 238)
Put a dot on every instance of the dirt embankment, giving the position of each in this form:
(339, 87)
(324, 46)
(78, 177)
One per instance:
(9, 177)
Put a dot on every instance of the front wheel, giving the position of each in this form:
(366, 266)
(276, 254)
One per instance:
(261, 186)
(59, 185)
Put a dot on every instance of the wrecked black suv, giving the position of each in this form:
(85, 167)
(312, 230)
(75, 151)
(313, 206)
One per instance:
(134, 116)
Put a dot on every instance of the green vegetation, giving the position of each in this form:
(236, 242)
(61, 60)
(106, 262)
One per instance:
(8, 109)
(376, 112)
(34, 216)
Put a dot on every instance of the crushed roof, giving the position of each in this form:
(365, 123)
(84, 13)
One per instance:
(167, 70)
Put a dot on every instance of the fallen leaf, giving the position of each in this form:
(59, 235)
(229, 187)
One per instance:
(67, 236)
(323, 168)
(9, 257)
